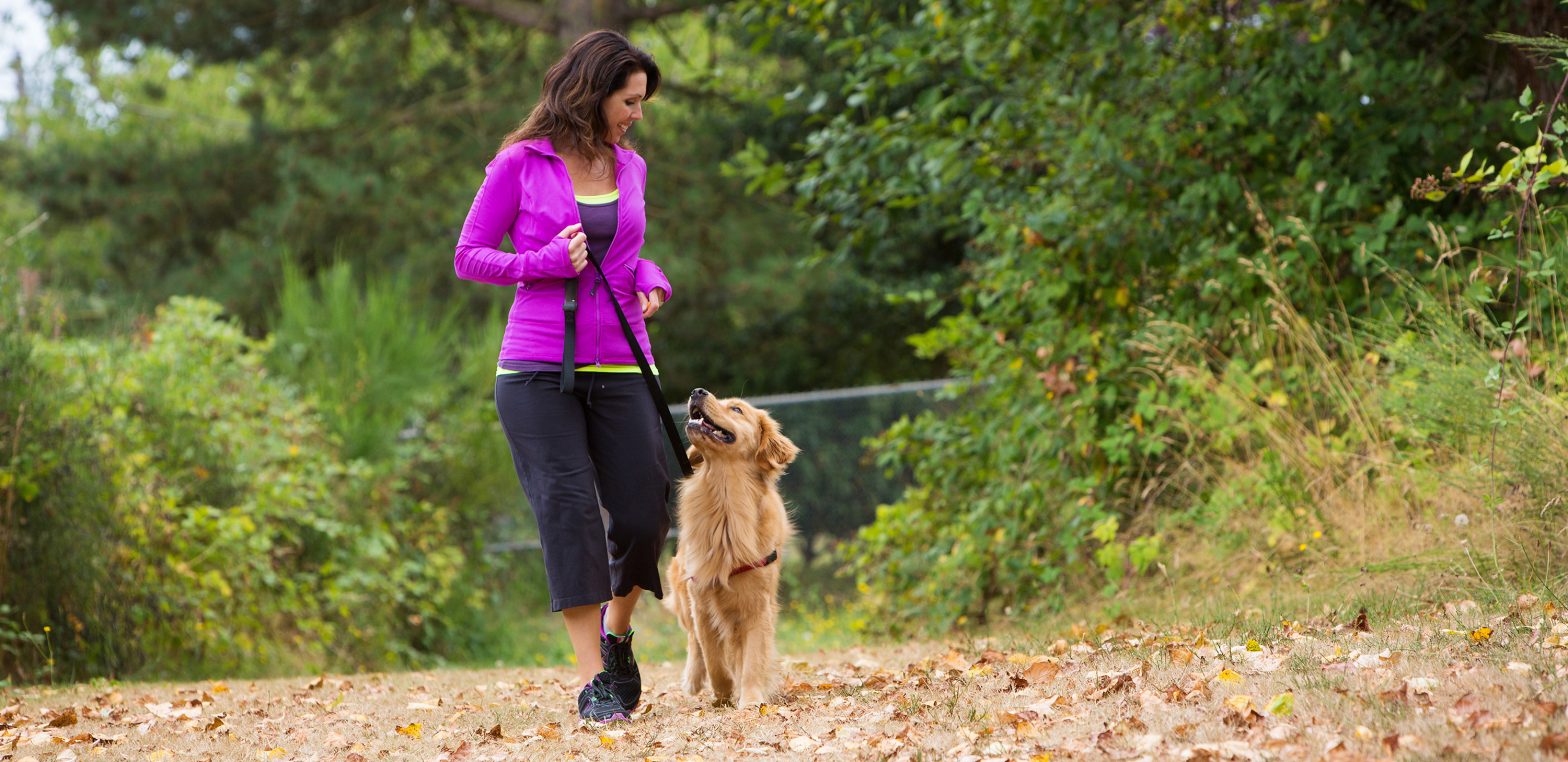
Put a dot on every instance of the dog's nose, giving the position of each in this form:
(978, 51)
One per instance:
(699, 392)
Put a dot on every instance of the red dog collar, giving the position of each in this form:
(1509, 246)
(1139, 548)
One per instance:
(774, 556)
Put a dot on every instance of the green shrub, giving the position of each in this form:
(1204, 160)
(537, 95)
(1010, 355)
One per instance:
(1109, 175)
(221, 532)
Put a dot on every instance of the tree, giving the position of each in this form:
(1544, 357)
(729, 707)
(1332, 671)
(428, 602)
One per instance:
(243, 30)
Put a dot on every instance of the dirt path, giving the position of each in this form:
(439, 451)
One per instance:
(1456, 683)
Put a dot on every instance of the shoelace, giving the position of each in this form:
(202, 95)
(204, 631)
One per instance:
(621, 654)
(600, 694)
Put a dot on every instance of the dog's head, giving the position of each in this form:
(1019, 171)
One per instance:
(731, 429)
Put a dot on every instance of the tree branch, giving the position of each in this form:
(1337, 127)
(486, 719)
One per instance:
(524, 14)
(667, 8)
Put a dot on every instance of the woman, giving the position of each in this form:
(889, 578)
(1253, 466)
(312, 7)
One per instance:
(574, 410)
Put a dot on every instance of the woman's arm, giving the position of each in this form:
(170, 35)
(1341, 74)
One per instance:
(648, 276)
(495, 209)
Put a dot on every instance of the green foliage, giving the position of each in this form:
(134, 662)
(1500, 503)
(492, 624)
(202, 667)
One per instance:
(1110, 171)
(214, 528)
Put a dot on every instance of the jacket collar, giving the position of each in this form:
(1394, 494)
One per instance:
(544, 147)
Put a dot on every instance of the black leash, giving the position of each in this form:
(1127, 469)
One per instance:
(655, 393)
(569, 340)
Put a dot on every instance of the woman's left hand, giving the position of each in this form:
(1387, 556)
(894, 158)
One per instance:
(651, 302)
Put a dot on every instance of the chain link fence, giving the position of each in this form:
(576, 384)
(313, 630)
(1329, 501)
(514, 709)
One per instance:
(833, 488)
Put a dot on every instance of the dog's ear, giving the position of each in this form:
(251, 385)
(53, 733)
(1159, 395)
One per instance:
(775, 451)
(693, 455)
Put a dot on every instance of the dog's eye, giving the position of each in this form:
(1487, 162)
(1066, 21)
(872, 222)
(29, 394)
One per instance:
(735, 408)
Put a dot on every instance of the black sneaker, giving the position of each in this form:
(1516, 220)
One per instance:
(598, 703)
(620, 667)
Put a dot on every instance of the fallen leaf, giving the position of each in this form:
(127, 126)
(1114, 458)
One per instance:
(955, 661)
(64, 719)
(1228, 675)
(1180, 655)
(1361, 624)
(1042, 671)
(1109, 684)
(412, 730)
(1480, 635)
(220, 688)
(1282, 705)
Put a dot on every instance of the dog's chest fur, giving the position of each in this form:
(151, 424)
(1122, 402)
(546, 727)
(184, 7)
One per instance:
(729, 517)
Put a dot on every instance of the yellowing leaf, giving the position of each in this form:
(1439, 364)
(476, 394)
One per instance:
(1278, 400)
(219, 688)
(412, 730)
(1042, 671)
(606, 741)
(1239, 702)
(1282, 705)
(1480, 635)
(955, 661)
(1228, 675)
(1041, 757)
(1254, 646)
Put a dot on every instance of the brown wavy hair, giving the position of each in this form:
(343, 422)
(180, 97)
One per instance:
(568, 112)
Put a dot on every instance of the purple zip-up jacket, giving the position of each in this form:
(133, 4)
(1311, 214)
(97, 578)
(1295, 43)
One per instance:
(527, 195)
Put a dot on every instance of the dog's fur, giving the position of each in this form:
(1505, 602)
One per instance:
(731, 515)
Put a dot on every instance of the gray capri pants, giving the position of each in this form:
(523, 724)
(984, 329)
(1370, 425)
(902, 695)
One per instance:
(600, 444)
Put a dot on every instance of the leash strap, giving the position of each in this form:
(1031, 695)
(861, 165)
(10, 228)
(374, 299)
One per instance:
(569, 342)
(655, 393)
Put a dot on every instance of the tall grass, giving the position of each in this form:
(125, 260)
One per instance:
(1423, 442)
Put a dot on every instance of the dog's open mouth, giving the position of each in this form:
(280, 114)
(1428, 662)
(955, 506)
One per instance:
(697, 423)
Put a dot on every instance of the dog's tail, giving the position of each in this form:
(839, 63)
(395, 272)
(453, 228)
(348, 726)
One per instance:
(675, 571)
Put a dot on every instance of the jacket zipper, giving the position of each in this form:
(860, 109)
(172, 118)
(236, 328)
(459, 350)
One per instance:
(593, 287)
(598, 309)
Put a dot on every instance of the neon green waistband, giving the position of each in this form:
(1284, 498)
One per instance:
(499, 371)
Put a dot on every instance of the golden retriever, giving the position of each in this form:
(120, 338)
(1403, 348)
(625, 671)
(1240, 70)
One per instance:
(724, 579)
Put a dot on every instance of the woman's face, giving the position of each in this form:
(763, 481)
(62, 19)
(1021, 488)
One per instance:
(624, 106)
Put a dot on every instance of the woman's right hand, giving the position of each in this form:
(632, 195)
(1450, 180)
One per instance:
(577, 248)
